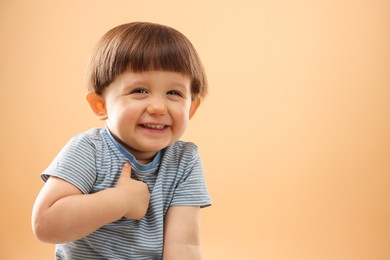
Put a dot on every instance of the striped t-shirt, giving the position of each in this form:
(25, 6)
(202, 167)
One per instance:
(92, 161)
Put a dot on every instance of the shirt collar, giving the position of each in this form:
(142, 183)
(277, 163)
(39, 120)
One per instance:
(150, 167)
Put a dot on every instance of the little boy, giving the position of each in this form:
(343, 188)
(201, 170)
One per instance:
(131, 190)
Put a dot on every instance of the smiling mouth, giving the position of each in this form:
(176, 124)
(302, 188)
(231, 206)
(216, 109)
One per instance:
(154, 126)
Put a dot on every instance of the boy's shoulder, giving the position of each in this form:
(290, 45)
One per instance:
(180, 150)
(93, 133)
(183, 146)
(90, 138)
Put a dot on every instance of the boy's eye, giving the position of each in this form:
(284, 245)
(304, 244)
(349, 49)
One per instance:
(174, 92)
(139, 91)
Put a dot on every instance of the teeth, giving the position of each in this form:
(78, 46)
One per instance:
(154, 126)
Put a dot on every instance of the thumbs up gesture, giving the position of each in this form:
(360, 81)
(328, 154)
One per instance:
(135, 194)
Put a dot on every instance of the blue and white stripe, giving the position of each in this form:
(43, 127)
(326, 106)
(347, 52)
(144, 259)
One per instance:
(92, 161)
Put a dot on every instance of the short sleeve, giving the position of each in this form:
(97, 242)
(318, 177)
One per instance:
(75, 164)
(192, 189)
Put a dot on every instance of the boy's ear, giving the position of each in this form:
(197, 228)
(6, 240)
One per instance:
(194, 106)
(97, 105)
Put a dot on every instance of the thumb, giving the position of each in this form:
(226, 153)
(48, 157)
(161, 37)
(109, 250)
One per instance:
(126, 170)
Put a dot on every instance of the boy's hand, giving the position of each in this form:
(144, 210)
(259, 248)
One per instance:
(135, 194)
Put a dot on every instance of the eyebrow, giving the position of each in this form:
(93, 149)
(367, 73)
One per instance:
(131, 85)
(178, 84)
(143, 82)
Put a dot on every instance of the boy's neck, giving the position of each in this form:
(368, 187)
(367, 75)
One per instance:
(144, 161)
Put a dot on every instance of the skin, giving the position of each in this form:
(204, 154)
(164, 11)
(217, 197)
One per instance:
(145, 112)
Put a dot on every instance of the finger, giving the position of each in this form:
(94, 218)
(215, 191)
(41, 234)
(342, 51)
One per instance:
(126, 170)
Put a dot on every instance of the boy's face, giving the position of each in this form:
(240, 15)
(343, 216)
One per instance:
(148, 111)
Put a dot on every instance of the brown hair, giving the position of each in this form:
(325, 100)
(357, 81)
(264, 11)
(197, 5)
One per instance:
(140, 47)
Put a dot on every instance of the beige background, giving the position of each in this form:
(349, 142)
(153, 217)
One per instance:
(295, 134)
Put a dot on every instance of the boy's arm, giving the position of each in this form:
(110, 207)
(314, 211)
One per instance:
(181, 233)
(62, 213)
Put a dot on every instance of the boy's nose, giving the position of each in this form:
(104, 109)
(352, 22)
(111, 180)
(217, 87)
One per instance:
(157, 107)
